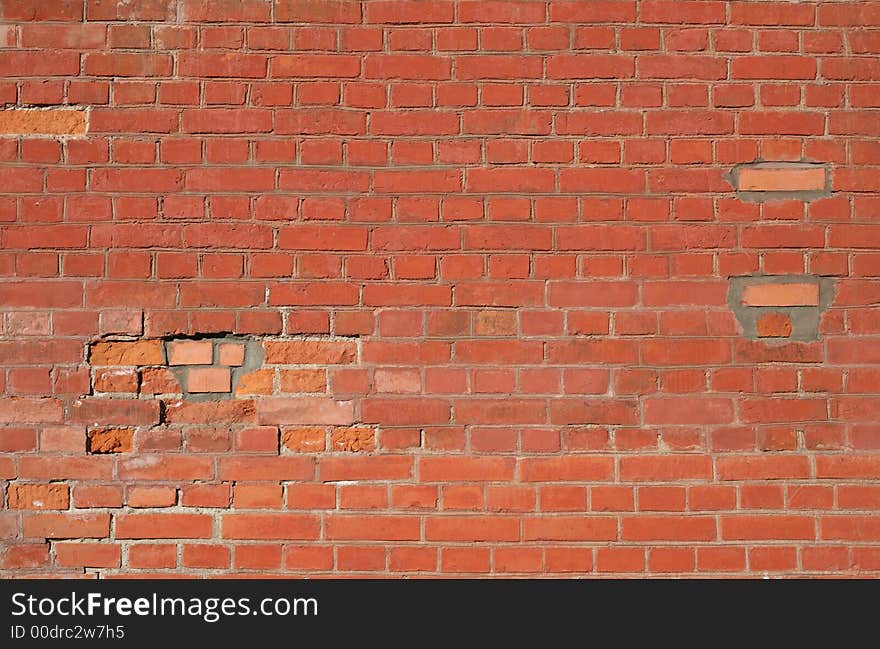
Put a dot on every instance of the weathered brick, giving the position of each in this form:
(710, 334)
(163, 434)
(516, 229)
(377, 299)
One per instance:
(38, 496)
(35, 122)
(110, 440)
(774, 325)
(141, 352)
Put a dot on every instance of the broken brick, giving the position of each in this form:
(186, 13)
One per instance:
(110, 440)
(774, 325)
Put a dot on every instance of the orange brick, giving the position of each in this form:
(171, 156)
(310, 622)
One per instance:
(208, 379)
(113, 380)
(353, 439)
(43, 121)
(88, 555)
(110, 440)
(304, 440)
(139, 496)
(256, 382)
(307, 380)
(38, 496)
(190, 352)
(141, 352)
(799, 294)
(158, 380)
(782, 178)
(231, 354)
(774, 325)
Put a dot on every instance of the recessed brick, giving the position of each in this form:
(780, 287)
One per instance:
(774, 325)
(190, 352)
(231, 354)
(208, 379)
(781, 295)
(110, 440)
(782, 178)
(48, 121)
(353, 439)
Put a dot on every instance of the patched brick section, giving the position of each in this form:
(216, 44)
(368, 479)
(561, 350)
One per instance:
(55, 122)
(782, 294)
(780, 307)
(38, 496)
(773, 181)
(227, 367)
(110, 440)
(190, 352)
(208, 379)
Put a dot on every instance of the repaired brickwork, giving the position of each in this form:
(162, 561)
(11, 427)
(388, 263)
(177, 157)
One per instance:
(778, 181)
(439, 288)
(780, 306)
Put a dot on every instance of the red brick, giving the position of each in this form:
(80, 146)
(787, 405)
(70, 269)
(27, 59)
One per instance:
(88, 555)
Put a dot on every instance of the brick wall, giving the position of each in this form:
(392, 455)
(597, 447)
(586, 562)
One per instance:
(439, 287)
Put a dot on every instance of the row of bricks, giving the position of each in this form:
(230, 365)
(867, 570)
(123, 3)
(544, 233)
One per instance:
(568, 238)
(289, 181)
(326, 151)
(649, 211)
(473, 497)
(732, 38)
(430, 122)
(593, 293)
(460, 11)
(717, 353)
(455, 527)
(131, 265)
(479, 440)
(462, 66)
(598, 466)
(416, 323)
(494, 94)
(679, 410)
(546, 559)
(523, 381)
